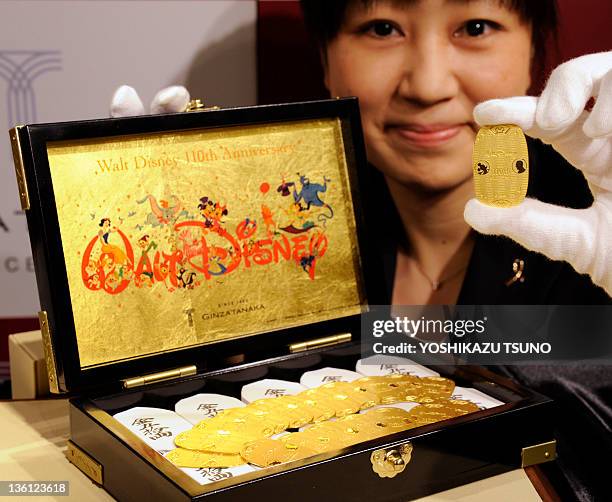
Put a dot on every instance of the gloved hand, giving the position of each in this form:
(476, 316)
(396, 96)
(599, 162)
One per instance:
(127, 103)
(582, 237)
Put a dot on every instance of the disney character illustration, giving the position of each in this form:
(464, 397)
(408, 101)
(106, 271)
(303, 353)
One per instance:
(215, 262)
(306, 262)
(268, 219)
(116, 252)
(186, 279)
(212, 212)
(284, 187)
(146, 244)
(163, 213)
(309, 193)
(305, 200)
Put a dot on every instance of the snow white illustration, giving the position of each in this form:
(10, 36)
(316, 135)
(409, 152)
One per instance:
(117, 253)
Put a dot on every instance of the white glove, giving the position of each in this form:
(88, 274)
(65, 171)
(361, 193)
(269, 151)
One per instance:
(582, 237)
(126, 103)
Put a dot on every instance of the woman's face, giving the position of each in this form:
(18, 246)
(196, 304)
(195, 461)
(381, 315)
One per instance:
(418, 70)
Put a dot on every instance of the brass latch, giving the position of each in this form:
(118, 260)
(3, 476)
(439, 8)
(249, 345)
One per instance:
(129, 383)
(538, 454)
(320, 342)
(389, 463)
(85, 463)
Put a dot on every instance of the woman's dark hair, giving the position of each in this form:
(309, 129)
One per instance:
(324, 18)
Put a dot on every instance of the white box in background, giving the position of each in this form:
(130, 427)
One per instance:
(28, 369)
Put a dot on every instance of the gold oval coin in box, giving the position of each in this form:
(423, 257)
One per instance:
(441, 410)
(366, 397)
(252, 414)
(216, 440)
(389, 419)
(235, 423)
(290, 408)
(263, 452)
(192, 458)
(460, 406)
(318, 443)
(321, 411)
(501, 165)
(341, 397)
(357, 428)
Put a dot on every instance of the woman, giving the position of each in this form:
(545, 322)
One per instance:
(419, 68)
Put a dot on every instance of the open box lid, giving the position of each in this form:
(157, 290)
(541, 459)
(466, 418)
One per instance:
(174, 241)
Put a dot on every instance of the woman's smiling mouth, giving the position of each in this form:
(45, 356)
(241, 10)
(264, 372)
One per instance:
(425, 135)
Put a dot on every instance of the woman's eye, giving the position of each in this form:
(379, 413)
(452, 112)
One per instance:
(477, 28)
(380, 29)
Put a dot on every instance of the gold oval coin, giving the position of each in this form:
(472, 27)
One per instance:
(389, 412)
(458, 406)
(293, 452)
(359, 427)
(246, 420)
(321, 410)
(365, 396)
(290, 408)
(391, 420)
(311, 440)
(440, 383)
(500, 164)
(218, 440)
(191, 458)
(385, 381)
(263, 452)
(254, 426)
(252, 414)
(435, 412)
(340, 396)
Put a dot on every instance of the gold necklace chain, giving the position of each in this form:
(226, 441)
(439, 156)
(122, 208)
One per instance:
(436, 285)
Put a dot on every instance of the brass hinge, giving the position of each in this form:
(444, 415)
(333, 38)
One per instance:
(196, 105)
(129, 383)
(49, 352)
(539, 453)
(320, 342)
(85, 463)
(19, 169)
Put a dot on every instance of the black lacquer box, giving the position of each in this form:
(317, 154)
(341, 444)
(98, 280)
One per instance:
(203, 251)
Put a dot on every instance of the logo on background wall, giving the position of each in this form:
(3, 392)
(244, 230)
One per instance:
(20, 69)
